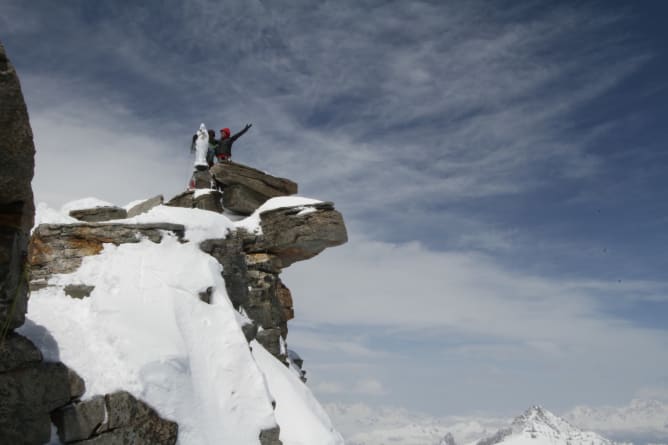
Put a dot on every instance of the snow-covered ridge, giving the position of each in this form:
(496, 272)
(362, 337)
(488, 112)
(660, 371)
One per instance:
(145, 329)
(166, 214)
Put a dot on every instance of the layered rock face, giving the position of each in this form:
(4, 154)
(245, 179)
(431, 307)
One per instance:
(17, 153)
(59, 248)
(252, 264)
(33, 392)
(29, 388)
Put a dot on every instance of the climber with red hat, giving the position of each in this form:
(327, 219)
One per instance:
(224, 148)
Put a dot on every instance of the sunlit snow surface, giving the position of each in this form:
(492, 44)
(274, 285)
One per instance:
(144, 330)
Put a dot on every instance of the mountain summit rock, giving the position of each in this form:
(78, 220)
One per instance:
(247, 188)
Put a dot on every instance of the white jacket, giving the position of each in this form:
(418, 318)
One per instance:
(201, 146)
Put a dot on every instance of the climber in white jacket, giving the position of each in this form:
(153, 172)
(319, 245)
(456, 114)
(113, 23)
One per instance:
(200, 146)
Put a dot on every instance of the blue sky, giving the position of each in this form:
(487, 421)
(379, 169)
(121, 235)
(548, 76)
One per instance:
(501, 167)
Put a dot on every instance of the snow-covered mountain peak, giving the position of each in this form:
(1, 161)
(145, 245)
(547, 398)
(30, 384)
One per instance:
(538, 419)
(538, 426)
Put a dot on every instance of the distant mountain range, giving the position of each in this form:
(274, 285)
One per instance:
(641, 422)
(538, 426)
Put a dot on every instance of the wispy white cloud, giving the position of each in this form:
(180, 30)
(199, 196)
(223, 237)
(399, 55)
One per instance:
(368, 386)
(312, 340)
(98, 147)
(640, 420)
(465, 311)
(465, 106)
(405, 114)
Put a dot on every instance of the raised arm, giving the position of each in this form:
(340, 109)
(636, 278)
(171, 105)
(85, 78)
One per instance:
(192, 144)
(235, 136)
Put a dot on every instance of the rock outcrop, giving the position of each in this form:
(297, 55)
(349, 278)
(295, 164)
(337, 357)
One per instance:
(17, 153)
(299, 233)
(30, 389)
(117, 418)
(246, 188)
(60, 248)
(252, 264)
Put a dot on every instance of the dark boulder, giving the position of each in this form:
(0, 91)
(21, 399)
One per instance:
(78, 421)
(246, 189)
(78, 291)
(17, 351)
(271, 436)
(113, 419)
(242, 200)
(17, 152)
(29, 394)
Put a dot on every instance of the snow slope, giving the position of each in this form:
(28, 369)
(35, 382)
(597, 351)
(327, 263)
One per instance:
(144, 329)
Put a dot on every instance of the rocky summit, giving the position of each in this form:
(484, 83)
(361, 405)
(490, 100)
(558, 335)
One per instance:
(251, 256)
(246, 188)
(42, 399)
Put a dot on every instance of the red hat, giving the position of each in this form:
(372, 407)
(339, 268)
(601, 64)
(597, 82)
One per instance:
(226, 131)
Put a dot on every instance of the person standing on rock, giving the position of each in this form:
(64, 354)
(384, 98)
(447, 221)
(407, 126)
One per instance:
(224, 150)
(211, 152)
(200, 145)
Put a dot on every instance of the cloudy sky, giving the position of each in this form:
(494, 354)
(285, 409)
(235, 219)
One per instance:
(501, 167)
